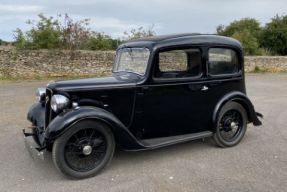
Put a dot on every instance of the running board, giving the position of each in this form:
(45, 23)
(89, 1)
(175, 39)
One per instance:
(166, 141)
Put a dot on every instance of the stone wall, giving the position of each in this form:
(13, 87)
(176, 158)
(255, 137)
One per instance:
(266, 63)
(30, 64)
(54, 63)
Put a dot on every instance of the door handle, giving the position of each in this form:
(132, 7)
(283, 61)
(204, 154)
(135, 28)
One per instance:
(204, 88)
(142, 91)
(145, 88)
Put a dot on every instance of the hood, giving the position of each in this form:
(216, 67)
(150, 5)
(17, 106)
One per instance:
(116, 80)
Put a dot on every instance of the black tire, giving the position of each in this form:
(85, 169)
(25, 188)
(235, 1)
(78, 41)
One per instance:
(231, 125)
(98, 135)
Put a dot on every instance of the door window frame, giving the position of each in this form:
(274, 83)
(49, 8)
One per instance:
(155, 64)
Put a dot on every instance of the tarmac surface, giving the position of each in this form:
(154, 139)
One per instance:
(258, 163)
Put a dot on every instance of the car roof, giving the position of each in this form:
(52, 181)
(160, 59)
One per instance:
(180, 39)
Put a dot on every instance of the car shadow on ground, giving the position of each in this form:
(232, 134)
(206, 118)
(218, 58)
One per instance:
(124, 159)
(134, 161)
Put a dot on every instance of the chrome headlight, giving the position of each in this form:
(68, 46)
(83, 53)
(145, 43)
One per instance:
(59, 102)
(40, 94)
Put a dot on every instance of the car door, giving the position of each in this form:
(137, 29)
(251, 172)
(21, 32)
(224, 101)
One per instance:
(173, 102)
(224, 73)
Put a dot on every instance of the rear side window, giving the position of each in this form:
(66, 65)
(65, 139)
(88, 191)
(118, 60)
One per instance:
(222, 61)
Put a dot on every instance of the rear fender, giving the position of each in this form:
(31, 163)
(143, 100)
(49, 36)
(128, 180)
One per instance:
(64, 121)
(241, 99)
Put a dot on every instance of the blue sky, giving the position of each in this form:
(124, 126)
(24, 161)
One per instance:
(116, 16)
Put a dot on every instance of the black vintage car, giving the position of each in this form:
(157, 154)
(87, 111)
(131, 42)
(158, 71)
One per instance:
(164, 90)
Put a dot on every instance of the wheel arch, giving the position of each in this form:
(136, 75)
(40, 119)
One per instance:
(243, 100)
(66, 120)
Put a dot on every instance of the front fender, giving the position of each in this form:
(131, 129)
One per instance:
(36, 114)
(65, 120)
(244, 101)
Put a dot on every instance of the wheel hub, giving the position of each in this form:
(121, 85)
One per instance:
(233, 125)
(87, 150)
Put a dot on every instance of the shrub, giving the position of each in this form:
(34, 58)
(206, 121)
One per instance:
(249, 42)
(50, 33)
(274, 35)
(74, 34)
(139, 33)
(247, 31)
(44, 34)
(100, 41)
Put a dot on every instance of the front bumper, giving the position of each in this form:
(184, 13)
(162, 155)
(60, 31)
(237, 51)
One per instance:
(33, 148)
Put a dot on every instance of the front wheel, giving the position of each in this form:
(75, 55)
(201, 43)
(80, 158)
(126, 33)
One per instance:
(84, 150)
(231, 125)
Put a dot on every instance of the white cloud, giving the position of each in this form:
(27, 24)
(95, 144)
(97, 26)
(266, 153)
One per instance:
(11, 9)
(114, 17)
(114, 26)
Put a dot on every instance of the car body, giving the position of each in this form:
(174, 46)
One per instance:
(164, 90)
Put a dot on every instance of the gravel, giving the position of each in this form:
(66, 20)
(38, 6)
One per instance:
(258, 163)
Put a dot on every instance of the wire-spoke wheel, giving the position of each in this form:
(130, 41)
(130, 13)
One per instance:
(85, 149)
(231, 125)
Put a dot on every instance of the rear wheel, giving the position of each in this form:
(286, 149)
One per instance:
(84, 150)
(231, 125)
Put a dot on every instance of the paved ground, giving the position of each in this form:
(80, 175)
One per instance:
(259, 163)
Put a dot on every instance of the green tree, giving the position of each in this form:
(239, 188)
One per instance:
(20, 41)
(74, 34)
(246, 24)
(45, 34)
(249, 42)
(2, 42)
(274, 35)
(101, 41)
(247, 31)
(139, 33)
(52, 33)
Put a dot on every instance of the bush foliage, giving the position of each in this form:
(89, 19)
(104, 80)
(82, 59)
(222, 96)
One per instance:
(139, 33)
(274, 35)
(256, 39)
(44, 34)
(65, 33)
(247, 31)
(100, 41)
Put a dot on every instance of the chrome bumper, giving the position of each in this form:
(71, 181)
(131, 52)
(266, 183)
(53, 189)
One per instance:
(34, 149)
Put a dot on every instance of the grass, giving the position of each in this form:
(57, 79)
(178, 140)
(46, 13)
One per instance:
(10, 78)
(6, 75)
(258, 70)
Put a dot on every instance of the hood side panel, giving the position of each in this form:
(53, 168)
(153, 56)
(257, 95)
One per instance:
(92, 83)
(119, 102)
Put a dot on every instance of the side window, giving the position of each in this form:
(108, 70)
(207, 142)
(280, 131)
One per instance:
(222, 61)
(179, 63)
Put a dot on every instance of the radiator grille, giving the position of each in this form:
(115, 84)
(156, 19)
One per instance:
(48, 110)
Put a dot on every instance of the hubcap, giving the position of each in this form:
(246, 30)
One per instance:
(230, 125)
(87, 150)
(233, 125)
